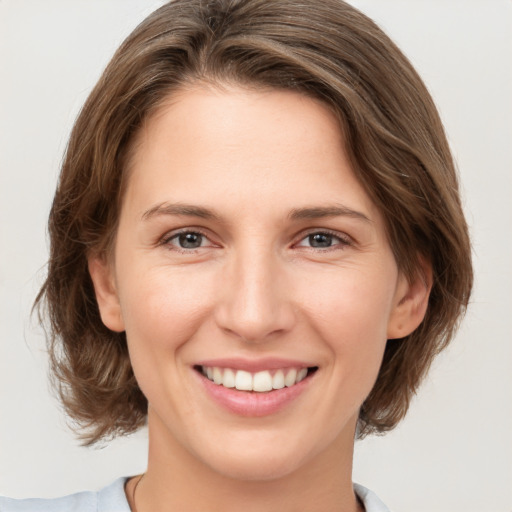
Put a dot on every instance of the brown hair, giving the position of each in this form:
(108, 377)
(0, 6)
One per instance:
(327, 50)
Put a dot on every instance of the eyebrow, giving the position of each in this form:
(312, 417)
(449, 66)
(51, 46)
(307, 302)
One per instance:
(306, 213)
(188, 210)
(319, 212)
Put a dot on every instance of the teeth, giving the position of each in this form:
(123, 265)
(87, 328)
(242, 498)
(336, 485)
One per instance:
(243, 381)
(301, 374)
(229, 378)
(262, 381)
(217, 375)
(278, 380)
(259, 382)
(290, 378)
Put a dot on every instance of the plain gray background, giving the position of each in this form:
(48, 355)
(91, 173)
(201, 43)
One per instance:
(453, 453)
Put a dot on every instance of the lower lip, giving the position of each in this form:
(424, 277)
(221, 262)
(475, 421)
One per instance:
(251, 403)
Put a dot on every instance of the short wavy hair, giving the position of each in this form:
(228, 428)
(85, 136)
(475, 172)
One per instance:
(396, 142)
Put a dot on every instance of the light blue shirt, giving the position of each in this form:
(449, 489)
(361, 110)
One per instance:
(113, 499)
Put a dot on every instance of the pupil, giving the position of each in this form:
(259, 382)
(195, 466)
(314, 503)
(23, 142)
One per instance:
(190, 240)
(320, 240)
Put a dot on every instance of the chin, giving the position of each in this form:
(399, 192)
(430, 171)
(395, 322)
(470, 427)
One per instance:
(267, 455)
(256, 467)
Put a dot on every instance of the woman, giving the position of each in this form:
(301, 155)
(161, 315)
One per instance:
(257, 246)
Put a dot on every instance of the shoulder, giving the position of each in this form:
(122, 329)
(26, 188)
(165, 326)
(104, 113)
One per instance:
(109, 499)
(79, 502)
(371, 501)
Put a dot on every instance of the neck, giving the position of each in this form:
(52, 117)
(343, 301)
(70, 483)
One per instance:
(177, 480)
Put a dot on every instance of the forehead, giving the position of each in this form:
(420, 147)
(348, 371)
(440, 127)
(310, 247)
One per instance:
(237, 146)
(229, 117)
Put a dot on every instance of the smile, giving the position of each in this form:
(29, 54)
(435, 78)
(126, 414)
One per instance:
(254, 388)
(259, 382)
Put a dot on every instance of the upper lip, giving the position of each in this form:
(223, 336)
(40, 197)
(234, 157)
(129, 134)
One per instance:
(254, 365)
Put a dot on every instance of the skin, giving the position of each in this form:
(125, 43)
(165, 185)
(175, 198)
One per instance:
(257, 286)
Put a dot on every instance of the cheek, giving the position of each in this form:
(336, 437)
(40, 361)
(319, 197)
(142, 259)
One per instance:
(162, 310)
(350, 314)
(356, 303)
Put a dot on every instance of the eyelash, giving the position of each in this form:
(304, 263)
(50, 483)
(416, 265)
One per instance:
(167, 239)
(343, 240)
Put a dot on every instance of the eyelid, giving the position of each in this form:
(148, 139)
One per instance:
(346, 240)
(170, 235)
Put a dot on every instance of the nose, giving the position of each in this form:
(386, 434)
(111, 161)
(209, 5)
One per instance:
(255, 303)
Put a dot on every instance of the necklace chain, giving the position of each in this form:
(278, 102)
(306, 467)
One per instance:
(134, 506)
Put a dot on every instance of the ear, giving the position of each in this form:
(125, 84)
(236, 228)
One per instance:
(102, 276)
(410, 302)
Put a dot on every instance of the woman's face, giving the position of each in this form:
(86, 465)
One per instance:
(248, 255)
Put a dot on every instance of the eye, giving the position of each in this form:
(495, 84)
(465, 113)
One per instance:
(323, 240)
(187, 240)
